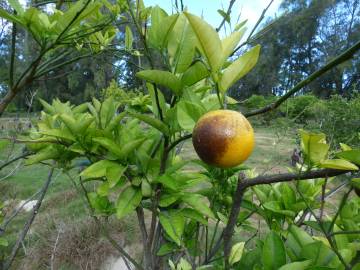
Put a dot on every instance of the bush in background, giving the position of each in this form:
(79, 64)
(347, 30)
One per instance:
(134, 99)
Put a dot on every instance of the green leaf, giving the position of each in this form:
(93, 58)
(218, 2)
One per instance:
(168, 199)
(161, 77)
(114, 122)
(240, 25)
(166, 249)
(296, 265)
(109, 145)
(339, 164)
(47, 153)
(130, 147)
(197, 202)
(345, 147)
(194, 74)
(318, 252)
(350, 155)
(15, 4)
(96, 170)
(239, 68)
(297, 239)
(356, 182)
(168, 182)
(173, 223)
(224, 15)
(156, 123)
(314, 146)
(188, 114)
(128, 200)
(273, 255)
(229, 43)
(208, 39)
(3, 242)
(128, 38)
(181, 45)
(236, 252)
(10, 17)
(275, 207)
(194, 215)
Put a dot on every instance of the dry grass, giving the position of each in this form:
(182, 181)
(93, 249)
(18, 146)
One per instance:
(73, 244)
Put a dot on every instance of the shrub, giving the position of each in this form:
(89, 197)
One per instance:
(134, 99)
(339, 118)
(298, 108)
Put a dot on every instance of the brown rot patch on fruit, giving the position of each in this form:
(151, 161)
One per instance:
(223, 138)
(209, 145)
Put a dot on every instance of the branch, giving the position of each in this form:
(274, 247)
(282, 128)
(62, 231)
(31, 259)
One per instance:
(175, 143)
(338, 60)
(232, 2)
(12, 55)
(13, 160)
(262, 16)
(104, 229)
(31, 219)
(243, 184)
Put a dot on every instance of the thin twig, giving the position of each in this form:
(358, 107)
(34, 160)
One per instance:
(262, 16)
(228, 12)
(338, 60)
(29, 222)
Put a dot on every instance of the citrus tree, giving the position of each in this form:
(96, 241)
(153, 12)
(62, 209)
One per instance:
(187, 219)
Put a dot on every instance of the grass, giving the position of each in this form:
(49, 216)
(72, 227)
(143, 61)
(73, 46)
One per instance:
(63, 205)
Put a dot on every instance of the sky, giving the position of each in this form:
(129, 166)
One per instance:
(247, 9)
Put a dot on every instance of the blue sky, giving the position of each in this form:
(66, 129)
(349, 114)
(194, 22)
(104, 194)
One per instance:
(247, 9)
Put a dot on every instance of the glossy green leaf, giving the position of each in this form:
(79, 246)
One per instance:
(161, 26)
(339, 164)
(197, 202)
(240, 25)
(350, 155)
(128, 148)
(297, 239)
(229, 43)
(356, 182)
(314, 146)
(128, 200)
(167, 249)
(128, 38)
(318, 252)
(109, 145)
(168, 199)
(273, 255)
(188, 114)
(15, 4)
(3, 242)
(164, 78)
(194, 215)
(10, 17)
(44, 154)
(96, 170)
(208, 41)
(275, 206)
(236, 252)
(181, 45)
(194, 74)
(173, 223)
(296, 265)
(224, 15)
(239, 68)
(345, 147)
(155, 123)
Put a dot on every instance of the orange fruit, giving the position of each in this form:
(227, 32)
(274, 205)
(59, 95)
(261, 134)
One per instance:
(223, 138)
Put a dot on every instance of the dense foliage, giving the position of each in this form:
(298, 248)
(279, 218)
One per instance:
(129, 146)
